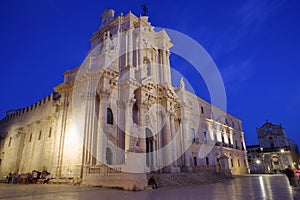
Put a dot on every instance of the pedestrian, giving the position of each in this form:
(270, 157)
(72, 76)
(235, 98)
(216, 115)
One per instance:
(29, 178)
(291, 176)
(152, 182)
(48, 178)
(15, 178)
(34, 176)
(8, 177)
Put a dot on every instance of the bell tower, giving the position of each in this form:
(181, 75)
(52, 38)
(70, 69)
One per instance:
(137, 49)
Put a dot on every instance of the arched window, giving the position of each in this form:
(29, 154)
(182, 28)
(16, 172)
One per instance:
(223, 141)
(204, 137)
(207, 161)
(9, 143)
(40, 135)
(135, 113)
(110, 117)
(30, 137)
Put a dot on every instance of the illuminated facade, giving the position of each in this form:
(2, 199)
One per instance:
(274, 152)
(113, 124)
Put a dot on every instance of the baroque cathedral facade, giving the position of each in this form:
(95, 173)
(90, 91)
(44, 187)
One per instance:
(274, 152)
(117, 117)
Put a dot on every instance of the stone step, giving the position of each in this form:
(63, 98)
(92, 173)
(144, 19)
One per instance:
(166, 179)
(66, 181)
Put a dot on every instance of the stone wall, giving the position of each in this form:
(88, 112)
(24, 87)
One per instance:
(30, 138)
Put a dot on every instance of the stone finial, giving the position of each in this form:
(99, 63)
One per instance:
(107, 16)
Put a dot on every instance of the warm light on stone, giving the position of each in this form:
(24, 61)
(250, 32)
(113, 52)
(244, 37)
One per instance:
(118, 117)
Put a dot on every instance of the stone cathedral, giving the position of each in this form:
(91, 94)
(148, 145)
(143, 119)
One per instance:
(117, 117)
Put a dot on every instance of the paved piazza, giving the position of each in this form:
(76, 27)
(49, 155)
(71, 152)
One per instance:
(241, 187)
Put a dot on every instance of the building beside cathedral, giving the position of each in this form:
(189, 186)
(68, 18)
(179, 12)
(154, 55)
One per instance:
(117, 117)
(274, 153)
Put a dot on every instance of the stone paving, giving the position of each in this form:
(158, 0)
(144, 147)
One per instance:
(241, 187)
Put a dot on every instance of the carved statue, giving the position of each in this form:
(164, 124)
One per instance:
(182, 85)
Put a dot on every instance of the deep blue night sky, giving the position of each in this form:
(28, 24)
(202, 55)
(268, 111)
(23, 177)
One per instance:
(255, 44)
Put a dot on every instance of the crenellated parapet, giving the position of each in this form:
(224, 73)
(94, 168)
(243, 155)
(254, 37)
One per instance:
(35, 110)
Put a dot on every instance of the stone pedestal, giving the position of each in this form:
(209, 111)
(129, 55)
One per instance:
(134, 181)
(135, 162)
(225, 165)
(134, 177)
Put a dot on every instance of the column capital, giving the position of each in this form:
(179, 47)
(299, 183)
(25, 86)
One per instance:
(171, 114)
(104, 94)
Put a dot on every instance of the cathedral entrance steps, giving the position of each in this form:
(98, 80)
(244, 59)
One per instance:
(2, 179)
(169, 179)
(67, 181)
(126, 181)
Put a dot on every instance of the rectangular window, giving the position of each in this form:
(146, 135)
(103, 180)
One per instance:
(40, 135)
(207, 161)
(239, 162)
(9, 142)
(109, 117)
(242, 146)
(30, 137)
(231, 162)
(50, 132)
(202, 110)
(195, 161)
(204, 137)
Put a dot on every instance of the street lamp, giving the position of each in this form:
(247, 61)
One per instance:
(282, 150)
(258, 161)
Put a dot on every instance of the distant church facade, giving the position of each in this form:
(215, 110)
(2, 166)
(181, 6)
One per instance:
(117, 117)
(275, 151)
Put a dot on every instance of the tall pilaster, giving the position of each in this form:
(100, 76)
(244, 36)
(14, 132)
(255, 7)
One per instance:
(142, 139)
(168, 71)
(187, 144)
(167, 145)
(130, 49)
(127, 120)
(101, 137)
(140, 46)
(174, 140)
